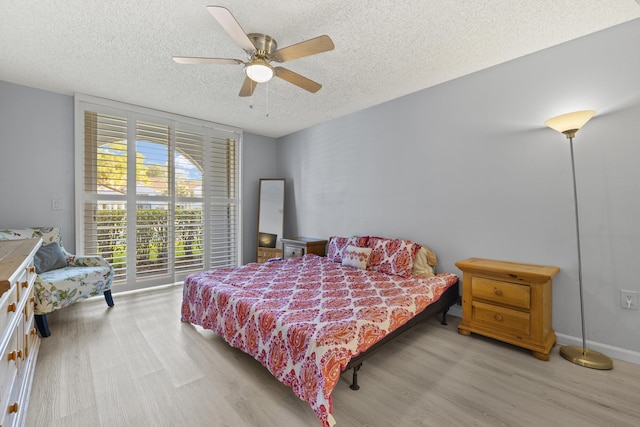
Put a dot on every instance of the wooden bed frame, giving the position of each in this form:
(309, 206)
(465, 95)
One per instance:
(450, 297)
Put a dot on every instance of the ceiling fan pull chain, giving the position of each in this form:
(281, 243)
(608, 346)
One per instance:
(267, 115)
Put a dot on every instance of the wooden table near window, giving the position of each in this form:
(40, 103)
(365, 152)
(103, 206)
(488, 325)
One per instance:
(508, 301)
(298, 246)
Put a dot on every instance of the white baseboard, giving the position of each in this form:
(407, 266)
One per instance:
(609, 350)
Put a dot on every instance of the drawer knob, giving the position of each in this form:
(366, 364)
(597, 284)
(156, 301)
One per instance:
(11, 307)
(498, 317)
(11, 356)
(25, 284)
(13, 408)
(32, 270)
(497, 291)
(19, 354)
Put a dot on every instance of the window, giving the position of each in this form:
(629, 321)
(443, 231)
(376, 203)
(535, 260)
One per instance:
(158, 194)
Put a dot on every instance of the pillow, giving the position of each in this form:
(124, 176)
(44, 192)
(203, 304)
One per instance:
(49, 257)
(392, 256)
(431, 257)
(49, 235)
(354, 256)
(421, 266)
(337, 245)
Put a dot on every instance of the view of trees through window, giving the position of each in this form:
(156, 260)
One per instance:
(160, 197)
(153, 215)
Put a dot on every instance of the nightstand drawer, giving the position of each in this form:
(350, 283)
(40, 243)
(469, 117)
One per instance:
(265, 254)
(508, 301)
(300, 246)
(293, 252)
(504, 293)
(501, 318)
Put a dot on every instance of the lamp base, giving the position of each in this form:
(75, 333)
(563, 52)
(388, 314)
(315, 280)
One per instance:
(584, 357)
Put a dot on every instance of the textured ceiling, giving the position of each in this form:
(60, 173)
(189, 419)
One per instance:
(384, 49)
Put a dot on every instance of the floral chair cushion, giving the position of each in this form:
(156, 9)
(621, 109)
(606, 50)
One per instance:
(83, 277)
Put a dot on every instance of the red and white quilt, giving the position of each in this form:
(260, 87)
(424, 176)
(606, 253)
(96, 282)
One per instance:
(305, 318)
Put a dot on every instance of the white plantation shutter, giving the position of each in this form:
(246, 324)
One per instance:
(159, 196)
(223, 202)
(105, 187)
(189, 217)
(153, 197)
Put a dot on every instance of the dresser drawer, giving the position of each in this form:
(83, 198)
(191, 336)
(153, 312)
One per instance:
(30, 337)
(8, 306)
(22, 285)
(504, 293)
(29, 306)
(8, 370)
(501, 318)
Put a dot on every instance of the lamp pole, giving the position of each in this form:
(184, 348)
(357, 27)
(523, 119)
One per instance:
(569, 124)
(571, 134)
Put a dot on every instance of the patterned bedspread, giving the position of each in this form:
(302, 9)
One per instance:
(305, 318)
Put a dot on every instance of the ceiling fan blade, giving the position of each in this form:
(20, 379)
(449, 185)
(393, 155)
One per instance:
(297, 79)
(247, 87)
(231, 26)
(197, 60)
(309, 47)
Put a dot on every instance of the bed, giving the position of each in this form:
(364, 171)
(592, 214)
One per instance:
(308, 319)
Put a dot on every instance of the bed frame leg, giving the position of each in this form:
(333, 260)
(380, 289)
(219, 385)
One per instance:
(354, 385)
(444, 316)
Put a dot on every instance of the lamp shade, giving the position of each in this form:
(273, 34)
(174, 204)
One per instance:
(259, 71)
(570, 122)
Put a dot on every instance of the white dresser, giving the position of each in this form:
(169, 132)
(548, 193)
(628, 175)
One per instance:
(19, 341)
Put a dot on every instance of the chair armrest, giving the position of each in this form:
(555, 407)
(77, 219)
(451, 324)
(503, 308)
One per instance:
(86, 261)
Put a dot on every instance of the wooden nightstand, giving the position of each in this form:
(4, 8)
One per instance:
(508, 301)
(299, 246)
(265, 254)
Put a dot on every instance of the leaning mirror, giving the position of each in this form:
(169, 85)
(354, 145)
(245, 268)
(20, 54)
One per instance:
(270, 219)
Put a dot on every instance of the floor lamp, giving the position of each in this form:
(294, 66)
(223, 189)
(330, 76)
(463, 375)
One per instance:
(569, 124)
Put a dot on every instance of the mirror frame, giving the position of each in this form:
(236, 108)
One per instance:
(261, 207)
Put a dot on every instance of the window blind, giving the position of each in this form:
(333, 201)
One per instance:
(160, 197)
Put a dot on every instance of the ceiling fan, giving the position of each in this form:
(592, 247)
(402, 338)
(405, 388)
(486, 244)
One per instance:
(260, 50)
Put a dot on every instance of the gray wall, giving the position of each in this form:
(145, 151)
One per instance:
(468, 169)
(37, 164)
(258, 161)
(36, 159)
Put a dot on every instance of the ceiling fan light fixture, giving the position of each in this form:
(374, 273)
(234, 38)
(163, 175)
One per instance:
(259, 71)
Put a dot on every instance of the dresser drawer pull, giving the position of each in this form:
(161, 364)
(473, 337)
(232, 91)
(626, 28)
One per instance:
(13, 408)
(32, 331)
(11, 307)
(497, 291)
(498, 317)
(32, 300)
(25, 284)
(19, 354)
(32, 270)
(12, 356)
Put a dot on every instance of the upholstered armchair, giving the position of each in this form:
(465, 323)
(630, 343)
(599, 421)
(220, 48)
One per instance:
(62, 278)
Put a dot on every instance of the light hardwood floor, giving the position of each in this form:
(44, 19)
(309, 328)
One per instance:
(138, 365)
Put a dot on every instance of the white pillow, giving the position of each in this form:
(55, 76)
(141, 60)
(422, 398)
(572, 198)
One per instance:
(354, 256)
(421, 265)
